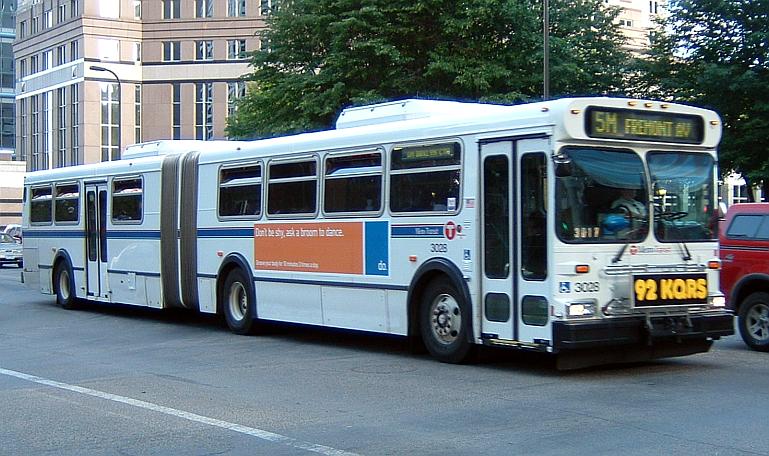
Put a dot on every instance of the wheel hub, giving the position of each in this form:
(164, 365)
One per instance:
(446, 319)
(758, 322)
(238, 301)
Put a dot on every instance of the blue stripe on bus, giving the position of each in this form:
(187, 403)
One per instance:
(133, 234)
(54, 233)
(417, 231)
(225, 232)
(111, 234)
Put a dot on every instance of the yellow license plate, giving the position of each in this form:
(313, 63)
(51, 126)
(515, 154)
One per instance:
(669, 289)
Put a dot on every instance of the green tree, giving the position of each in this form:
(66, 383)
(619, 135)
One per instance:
(323, 55)
(715, 54)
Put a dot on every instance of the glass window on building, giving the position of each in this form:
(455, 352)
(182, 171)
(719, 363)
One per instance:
(7, 79)
(110, 142)
(204, 50)
(109, 50)
(740, 193)
(236, 8)
(61, 56)
(204, 8)
(22, 107)
(266, 6)
(109, 8)
(171, 9)
(204, 111)
(74, 50)
(137, 113)
(177, 111)
(62, 117)
(47, 59)
(171, 51)
(236, 49)
(75, 138)
(235, 91)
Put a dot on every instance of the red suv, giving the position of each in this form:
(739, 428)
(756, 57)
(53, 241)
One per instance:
(744, 239)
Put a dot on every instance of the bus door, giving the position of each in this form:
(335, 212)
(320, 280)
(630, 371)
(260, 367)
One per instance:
(514, 219)
(532, 242)
(96, 239)
(497, 303)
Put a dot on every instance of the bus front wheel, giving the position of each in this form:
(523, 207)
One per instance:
(444, 322)
(64, 286)
(237, 301)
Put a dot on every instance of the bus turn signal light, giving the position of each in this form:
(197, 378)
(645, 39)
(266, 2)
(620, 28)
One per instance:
(581, 269)
(714, 264)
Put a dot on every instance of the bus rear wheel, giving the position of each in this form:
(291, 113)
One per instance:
(444, 322)
(64, 286)
(237, 300)
(753, 321)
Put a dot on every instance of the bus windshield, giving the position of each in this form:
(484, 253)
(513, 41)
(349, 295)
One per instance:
(601, 196)
(684, 196)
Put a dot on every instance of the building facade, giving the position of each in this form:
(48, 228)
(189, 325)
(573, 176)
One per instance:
(93, 76)
(11, 185)
(7, 79)
(637, 18)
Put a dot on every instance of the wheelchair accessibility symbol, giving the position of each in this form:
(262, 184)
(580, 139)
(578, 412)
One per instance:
(564, 287)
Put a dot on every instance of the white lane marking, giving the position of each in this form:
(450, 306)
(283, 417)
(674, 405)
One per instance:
(258, 433)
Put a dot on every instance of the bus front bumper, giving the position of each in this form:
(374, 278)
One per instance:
(636, 339)
(639, 330)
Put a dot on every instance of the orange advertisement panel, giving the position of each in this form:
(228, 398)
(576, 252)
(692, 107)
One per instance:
(333, 247)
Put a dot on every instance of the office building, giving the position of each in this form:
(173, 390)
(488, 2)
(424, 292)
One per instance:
(637, 18)
(7, 77)
(93, 76)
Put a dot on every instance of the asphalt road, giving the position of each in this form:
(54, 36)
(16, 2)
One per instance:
(116, 380)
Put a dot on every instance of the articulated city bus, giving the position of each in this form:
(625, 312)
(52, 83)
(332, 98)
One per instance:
(584, 227)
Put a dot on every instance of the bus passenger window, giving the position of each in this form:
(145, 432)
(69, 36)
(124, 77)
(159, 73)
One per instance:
(292, 188)
(67, 203)
(127, 195)
(425, 178)
(534, 217)
(353, 183)
(240, 191)
(40, 205)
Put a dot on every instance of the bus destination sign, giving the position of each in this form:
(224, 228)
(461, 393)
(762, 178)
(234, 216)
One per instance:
(614, 123)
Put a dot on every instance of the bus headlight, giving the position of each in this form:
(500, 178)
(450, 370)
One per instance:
(717, 301)
(580, 309)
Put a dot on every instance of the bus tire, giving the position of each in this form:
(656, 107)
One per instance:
(238, 303)
(444, 320)
(64, 286)
(753, 321)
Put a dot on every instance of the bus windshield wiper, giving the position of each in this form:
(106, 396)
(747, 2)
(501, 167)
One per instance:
(621, 252)
(685, 252)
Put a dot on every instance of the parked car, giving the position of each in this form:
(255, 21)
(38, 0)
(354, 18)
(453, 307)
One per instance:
(13, 229)
(744, 246)
(10, 250)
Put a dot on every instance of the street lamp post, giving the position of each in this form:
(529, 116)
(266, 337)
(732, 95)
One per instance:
(119, 108)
